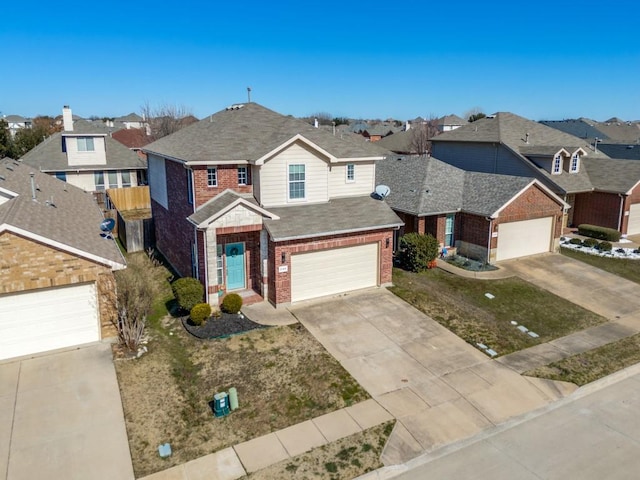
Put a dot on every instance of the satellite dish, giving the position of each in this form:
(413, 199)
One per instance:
(107, 226)
(381, 192)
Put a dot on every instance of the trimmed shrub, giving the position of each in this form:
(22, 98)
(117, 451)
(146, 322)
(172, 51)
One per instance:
(231, 303)
(417, 251)
(590, 242)
(200, 312)
(605, 246)
(188, 292)
(576, 241)
(601, 233)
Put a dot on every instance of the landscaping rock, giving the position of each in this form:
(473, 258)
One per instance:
(227, 324)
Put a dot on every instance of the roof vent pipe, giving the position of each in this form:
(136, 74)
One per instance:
(33, 186)
(526, 137)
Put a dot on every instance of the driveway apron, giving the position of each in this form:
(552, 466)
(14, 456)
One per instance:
(438, 387)
(61, 417)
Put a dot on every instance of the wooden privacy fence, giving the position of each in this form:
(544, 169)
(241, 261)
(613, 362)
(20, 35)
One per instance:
(131, 198)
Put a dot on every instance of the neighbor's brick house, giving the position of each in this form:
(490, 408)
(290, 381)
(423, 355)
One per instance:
(485, 216)
(599, 190)
(57, 287)
(252, 201)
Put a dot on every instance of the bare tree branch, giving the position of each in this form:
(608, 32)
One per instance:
(165, 119)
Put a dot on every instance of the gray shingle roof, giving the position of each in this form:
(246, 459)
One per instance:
(399, 142)
(15, 119)
(580, 127)
(340, 215)
(132, 117)
(248, 133)
(423, 186)
(612, 175)
(621, 151)
(49, 157)
(452, 120)
(74, 221)
(219, 203)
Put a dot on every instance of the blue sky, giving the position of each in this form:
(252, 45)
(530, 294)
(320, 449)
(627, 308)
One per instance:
(378, 59)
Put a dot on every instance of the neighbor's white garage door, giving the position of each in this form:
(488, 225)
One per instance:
(327, 272)
(528, 237)
(633, 225)
(47, 319)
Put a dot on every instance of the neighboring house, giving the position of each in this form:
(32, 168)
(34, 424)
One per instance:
(450, 122)
(133, 120)
(252, 201)
(134, 139)
(613, 130)
(582, 176)
(86, 156)
(56, 269)
(485, 216)
(16, 122)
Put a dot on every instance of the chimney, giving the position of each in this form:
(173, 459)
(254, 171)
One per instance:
(407, 125)
(67, 119)
(315, 122)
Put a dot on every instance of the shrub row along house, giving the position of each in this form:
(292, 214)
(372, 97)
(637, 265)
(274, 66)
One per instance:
(600, 190)
(56, 269)
(252, 201)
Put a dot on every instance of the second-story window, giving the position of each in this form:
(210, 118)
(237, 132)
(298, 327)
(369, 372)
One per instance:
(575, 163)
(296, 182)
(557, 165)
(212, 176)
(85, 144)
(242, 175)
(351, 172)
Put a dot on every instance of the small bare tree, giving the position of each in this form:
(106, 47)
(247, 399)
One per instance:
(135, 294)
(422, 134)
(165, 119)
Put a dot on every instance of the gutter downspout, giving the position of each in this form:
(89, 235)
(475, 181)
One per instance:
(620, 217)
(489, 241)
(206, 265)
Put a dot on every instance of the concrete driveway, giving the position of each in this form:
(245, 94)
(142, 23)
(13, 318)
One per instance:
(61, 417)
(606, 294)
(438, 387)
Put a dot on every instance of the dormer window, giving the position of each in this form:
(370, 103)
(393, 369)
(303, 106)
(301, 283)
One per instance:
(575, 163)
(85, 144)
(557, 165)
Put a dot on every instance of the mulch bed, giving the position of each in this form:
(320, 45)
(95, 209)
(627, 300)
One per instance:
(227, 324)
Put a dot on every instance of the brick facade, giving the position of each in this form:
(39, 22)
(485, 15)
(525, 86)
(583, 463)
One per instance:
(280, 283)
(597, 208)
(227, 176)
(28, 265)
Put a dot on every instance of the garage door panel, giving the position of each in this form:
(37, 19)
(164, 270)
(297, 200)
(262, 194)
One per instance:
(328, 272)
(633, 223)
(527, 237)
(48, 319)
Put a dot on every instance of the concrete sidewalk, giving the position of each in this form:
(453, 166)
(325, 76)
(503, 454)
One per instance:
(258, 453)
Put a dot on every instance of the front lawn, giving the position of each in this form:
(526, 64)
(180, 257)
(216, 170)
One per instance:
(588, 366)
(460, 305)
(629, 269)
(283, 376)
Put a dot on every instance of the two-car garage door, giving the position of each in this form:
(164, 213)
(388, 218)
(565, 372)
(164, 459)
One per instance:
(527, 237)
(328, 272)
(48, 319)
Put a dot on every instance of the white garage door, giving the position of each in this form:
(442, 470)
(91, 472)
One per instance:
(47, 319)
(528, 237)
(633, 225)
(327, 272)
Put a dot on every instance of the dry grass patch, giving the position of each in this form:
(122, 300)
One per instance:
(346, 458)
(588, 366)
(625, 268)
(283, 376)
(460, 305)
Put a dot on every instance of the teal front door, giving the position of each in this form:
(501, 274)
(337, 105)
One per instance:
(234, 253)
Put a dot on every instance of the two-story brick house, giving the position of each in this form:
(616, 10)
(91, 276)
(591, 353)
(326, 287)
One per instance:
(600, 191)
(85, 155)
(252, 201)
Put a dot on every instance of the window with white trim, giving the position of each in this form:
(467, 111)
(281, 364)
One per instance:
(61, 176)
(557, 165)
(126, 178)
(296, 182)
(212, 177)
(575, 163)
(351, 172)
(242, 176)
(85, 144)
(113, 179)
(190, 187)
(219, 264)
